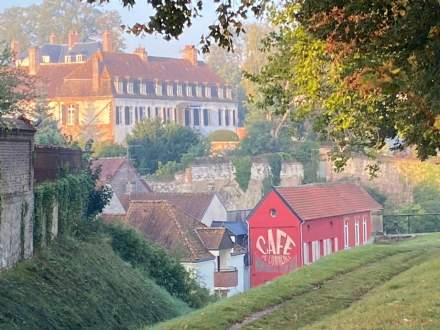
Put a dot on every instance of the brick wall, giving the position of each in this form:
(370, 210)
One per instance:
(16, 192)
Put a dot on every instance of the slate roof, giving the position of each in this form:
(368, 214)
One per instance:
(168, 226)
(215, 238)
(237, 228)
(194, 204)
(316, 201)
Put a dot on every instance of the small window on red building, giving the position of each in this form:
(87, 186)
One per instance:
(273, 213)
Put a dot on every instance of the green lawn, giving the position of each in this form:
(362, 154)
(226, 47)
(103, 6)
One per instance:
(361, 288)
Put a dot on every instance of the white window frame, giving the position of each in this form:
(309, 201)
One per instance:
(357, 236)
(158, 88)
(68, 59)
(364, 231)
(199, 91)
(208, 91)
(306, 253)
(346, 235)
(327, 246)
(71, 112)
(336, 247)
(79, 58)
(130, 87)
(220, 93)
(316, 250)
(170, 90)
(179, 90)
(46, 59)
(143, 88)
(189, 90)
(228, 93)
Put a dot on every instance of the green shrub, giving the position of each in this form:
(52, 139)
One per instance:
(242, 167)
(109, 149)
(162, 268)
(223, 135)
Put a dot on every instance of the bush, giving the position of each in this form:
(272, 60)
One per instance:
(162, 268)
(223, 135)
(109, 149)
(242, 167)
(308, 154)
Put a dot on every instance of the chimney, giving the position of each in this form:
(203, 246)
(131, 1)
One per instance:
(53, 39)
(73, 39)
(107, 41)
(34, 60)
(96, 79)
(15, 49)
(190, 54)
(142, 53)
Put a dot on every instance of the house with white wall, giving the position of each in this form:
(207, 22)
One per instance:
(209, 253)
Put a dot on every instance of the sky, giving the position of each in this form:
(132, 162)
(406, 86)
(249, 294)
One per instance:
(154, 44)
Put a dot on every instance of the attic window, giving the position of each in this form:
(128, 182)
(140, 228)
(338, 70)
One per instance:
(229, 93)
(158, 89)
(80, 58)
(143, 88)
(188, 90)
(46, 59)
(220, 93)
(170, 90)
(179, 90)
(273, 213)
(130, 89)
(119, 86)
(68, 59)
(199, 91)
(208, 91)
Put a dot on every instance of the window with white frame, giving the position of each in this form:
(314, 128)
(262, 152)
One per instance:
(189, 90)
(316, 251)
(170, 90)
(118, 116)
(346, 235)
(68, 59)
(143, 88)
(179, 90)
(220, 92)
(46, 59)
(228, 93)
(80, 58)
(336, 244)
(208, 91)
(128, 116)
(356, 233)
(306, 253)
(130, 88)
(327, 246)
(141, 113)
(71, 114)
(198, 91)
(364, 231)
(220, 117)
(119, 86)
(158, 88)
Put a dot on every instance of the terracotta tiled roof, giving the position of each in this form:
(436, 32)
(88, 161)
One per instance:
(109, 167)
(215, 238)
(52, 76)
(194, 204)
(163, 223)
(325, 200)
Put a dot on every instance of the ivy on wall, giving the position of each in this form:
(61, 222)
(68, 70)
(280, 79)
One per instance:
(242, 167)
(71, 194)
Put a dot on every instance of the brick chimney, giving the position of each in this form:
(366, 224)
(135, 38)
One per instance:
(53, 39)
(34, 60)
(15, 49)
(96, 78)
(142, 53)
(190, 53)
(107, 41)
(73, 39)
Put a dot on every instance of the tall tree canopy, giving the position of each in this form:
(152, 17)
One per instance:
(33, 25)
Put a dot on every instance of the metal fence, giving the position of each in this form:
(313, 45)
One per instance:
(411, 223)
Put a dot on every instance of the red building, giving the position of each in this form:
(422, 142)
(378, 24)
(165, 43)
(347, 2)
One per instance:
(295, 226)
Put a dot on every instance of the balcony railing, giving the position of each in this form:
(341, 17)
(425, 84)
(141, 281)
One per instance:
(226, 278)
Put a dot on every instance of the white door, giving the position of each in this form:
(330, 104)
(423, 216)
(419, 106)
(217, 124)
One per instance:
(346, 235)
(356, 233)
(306, 253)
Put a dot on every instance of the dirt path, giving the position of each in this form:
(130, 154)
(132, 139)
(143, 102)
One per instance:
(331, 296)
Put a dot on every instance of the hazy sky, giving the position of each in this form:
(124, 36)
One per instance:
(154, 44)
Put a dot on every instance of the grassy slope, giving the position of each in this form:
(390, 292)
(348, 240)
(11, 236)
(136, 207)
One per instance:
(332, 284)
(81, 285)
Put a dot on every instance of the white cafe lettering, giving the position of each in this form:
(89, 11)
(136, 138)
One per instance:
(274, 246)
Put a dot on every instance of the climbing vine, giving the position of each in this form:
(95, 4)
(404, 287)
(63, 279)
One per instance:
(24, 212)
(242, 167)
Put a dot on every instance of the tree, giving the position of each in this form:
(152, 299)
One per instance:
(34, 24)
(16, 87)
(361, 72)
(169, 18)
(48, 132)
(153, 143)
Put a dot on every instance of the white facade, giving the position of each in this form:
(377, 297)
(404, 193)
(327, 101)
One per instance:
(203, 116)
(203, 272)
(215, 212)
(237, 261)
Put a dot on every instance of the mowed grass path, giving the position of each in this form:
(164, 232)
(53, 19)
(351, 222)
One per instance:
(338, 292)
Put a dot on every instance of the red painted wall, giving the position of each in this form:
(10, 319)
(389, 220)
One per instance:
(276, 237)
(274, 240)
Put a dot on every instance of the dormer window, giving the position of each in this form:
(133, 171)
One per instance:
(208, 91)
(119, 86)
(130, 89)
(179, 90)
(170, 90)
(199, 91)
(158, 88)
(46, 59)
(228, 93)
(68, 59)
(220, 93)
(189, 91)
(143, 88)
(80, 58)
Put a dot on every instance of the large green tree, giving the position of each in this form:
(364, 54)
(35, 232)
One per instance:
(33, 25)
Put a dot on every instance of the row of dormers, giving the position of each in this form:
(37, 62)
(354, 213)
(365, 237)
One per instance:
(174, 89)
